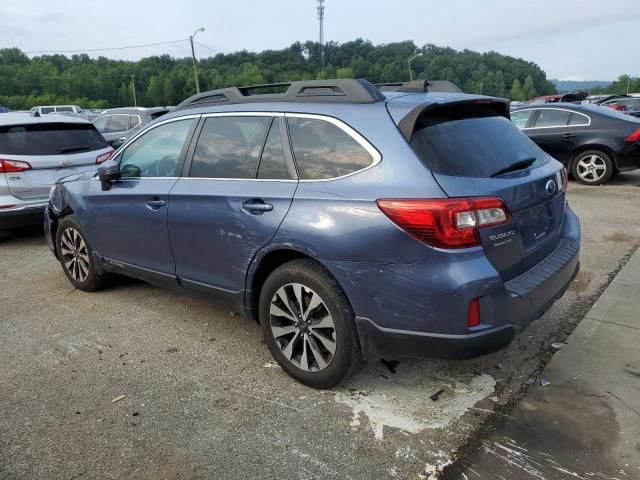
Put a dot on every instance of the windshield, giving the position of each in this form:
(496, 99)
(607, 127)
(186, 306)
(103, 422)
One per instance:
(475, 147)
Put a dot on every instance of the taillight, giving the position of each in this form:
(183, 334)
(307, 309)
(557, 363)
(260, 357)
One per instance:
(13, 166)
(562, 179)
(473, 318)
(446, 223)
(634, 137)
(104, 157)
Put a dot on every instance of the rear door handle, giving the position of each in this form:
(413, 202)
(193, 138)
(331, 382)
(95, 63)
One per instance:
(568, 135)
(257, 206)
(155, 204)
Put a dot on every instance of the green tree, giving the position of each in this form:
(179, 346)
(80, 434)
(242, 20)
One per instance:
(528, 90)
(516, 91)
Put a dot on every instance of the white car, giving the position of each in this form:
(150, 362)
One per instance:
(35, 152)
(63, 109)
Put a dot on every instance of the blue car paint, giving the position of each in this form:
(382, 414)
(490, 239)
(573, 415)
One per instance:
(205, 240)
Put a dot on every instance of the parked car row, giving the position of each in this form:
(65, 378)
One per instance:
(456, 220)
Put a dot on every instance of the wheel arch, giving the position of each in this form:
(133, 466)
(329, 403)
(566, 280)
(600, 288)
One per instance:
(262, 267)
(593, 146)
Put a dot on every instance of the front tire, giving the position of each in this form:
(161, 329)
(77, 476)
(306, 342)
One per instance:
(592, 167)
(308, 324)
(75, 257)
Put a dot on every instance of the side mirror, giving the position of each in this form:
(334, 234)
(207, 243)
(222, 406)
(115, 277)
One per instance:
(108, 173)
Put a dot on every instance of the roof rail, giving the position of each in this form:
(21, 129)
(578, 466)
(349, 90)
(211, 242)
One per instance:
(330, 91)
(416, 86)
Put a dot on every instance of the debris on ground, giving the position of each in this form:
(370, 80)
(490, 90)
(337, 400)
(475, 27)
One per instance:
(558, 345)
(172, 350)
(531, 381)
(544, 382)
(436, 395)
(118, 398)
(233, 314)
(271, 364)
(390, 364)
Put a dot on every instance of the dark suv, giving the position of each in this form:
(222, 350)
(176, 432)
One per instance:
(350, 223)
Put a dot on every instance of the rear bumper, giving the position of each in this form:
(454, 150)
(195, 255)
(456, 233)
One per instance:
(21, 216)
(376, 341)
(629, 158)
(421, 309)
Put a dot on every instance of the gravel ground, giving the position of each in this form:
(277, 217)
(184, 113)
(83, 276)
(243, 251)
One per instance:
(204, 400)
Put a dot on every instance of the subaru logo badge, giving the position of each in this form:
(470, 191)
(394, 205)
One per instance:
(551, 187)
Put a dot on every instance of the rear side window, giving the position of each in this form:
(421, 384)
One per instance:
(134, 121)
(229, 147)
(323, 150)
(101, 123)
(471, 147)
(552, 118)
(45, 110)
(520, 118)
(118, 123)
(64, 109)
(578, 119)
(50, 139)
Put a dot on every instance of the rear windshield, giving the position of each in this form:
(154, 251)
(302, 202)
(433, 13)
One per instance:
(50, 139)
(472, 147)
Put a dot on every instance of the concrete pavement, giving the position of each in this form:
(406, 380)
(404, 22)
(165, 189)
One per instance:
(585, 424)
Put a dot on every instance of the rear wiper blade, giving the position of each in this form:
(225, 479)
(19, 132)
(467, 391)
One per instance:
(77, 148)
(519, 165)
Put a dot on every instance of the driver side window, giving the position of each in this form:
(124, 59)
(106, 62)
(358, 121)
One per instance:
(157, 152)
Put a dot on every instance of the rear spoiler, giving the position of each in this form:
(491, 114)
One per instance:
(408, 122)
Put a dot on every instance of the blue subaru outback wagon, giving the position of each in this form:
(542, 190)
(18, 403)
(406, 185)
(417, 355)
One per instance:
(349, 221)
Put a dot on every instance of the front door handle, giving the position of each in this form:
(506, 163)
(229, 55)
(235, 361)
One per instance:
(568, 135)
(257, 206)
(155, 204)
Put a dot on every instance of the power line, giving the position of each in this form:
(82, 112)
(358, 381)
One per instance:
(110, 48)
(208, 48)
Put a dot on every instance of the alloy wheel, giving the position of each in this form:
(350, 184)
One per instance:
(591, 168)
(75, 254)
(302, 327)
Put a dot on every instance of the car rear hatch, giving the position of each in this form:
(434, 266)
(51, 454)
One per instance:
(34, 156)
(473, 150)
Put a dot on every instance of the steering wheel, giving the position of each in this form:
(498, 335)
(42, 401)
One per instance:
(165, 166)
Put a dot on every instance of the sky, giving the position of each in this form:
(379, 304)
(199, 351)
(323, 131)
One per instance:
(568, 39)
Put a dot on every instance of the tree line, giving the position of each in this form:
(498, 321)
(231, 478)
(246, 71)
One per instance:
(622, 85)
(163, 80)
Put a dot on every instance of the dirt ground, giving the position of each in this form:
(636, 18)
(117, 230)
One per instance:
(203, 398)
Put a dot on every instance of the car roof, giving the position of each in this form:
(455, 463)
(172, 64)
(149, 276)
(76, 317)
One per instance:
(134, 110)
(19, 118)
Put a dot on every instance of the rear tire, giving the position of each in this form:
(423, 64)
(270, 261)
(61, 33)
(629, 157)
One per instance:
(75, 256)
(592, 167)
(308, 324)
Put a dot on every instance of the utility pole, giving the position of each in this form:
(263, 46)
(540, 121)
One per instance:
(193, 57)
(133, 88)
(321, 19)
